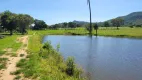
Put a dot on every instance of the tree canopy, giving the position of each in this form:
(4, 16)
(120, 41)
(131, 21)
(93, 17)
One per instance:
(39, 25)
(11, 21)
(117, 22)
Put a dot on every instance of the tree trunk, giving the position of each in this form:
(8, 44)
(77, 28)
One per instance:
(96, 32)
(117, 28)
(90, 31)
(11, 33)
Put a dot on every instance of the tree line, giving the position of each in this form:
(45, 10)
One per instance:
(67, 25)
(19, 22)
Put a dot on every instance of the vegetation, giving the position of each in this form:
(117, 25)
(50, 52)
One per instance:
(96, 28)
(3, 63)
(46, 63)
(117, 22)
(106, 24)
(110, 31)
(39, 25)
(11, 21)
(9, 42)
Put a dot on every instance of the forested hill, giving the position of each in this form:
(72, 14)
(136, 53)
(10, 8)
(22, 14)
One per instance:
(133, 18)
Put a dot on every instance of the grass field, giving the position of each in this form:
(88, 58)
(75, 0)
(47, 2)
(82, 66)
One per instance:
(111, 31)
(9, 42)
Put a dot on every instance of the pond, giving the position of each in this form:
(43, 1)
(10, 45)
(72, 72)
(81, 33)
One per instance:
(103, 58)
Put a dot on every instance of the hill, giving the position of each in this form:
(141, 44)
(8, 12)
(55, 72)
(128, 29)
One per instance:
(133, 18)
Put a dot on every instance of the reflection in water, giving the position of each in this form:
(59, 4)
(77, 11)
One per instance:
(89, 58)
(103, 58)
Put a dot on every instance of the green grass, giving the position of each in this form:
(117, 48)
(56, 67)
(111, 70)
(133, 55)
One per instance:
(17, 77)
(3, 63)
(45, 64)
(110, 31)
(9, 42)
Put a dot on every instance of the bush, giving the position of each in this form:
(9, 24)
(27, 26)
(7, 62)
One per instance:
(70, 66)
(47, 45)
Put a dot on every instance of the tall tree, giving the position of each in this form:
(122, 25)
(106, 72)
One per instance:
(106, 24)
(90, 30)
(72, 25)
(40, 24)
(96, 28)
(24, 21)
(65, 24)
(117, 22)
(8, 21)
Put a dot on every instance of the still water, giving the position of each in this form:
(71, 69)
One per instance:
(103, 58)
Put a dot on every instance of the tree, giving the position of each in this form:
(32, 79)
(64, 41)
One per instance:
(90, 31)
(106, 24)
(23, 22)
(55, 26)
(96, 28)
(117, 22)
(87, 27)
(72, 25)
(65, 24)
(39, 24)
(8, 21)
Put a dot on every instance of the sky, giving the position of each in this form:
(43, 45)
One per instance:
(57, 11)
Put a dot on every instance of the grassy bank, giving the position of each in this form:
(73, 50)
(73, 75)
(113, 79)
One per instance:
(111, 31)
(45, 63)
(8, 45)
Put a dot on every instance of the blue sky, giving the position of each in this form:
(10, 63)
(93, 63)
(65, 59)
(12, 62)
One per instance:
(56, 11)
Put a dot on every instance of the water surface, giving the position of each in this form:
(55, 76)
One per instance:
(103, 58)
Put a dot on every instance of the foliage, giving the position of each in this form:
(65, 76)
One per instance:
(23, 21)
(72, 25)
(117, 22)
(39, 25)
(8, 21)
(95, 26)
(70, 66)
(45, 63)
(3, 63)
(106, 24)
(11, 21)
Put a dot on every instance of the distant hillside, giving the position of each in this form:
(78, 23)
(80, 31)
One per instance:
(133, 18)
(80, 22)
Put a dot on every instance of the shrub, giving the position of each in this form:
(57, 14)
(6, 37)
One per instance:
(70, 66)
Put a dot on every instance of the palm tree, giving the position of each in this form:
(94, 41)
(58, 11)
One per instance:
(90, 30)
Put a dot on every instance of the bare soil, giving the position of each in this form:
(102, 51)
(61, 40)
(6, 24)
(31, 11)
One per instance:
(11, 63)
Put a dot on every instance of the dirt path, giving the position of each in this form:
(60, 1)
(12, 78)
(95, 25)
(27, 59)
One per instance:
(11, 64)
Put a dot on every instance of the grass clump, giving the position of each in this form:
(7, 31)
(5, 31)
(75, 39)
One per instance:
(17, 77)
(16, 72)
(21, 63)
(70, 66)
(21, 55)
(13, 55)
(1, 53)
(3, 63)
